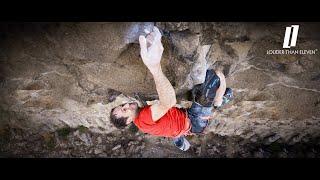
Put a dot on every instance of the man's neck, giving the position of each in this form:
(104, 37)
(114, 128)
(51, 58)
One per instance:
(138, 112)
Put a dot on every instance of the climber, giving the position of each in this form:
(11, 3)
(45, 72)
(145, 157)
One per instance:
(162, 118)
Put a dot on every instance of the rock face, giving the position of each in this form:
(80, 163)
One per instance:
(70, 75)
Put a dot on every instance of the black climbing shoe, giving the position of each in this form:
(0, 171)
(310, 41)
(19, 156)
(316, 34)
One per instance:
(182, 143)
(227, 97)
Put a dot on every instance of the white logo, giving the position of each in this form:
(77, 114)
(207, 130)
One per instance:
(290, 40)
(293, 35)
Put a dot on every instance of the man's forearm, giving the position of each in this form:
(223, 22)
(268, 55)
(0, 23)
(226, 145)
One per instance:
(167, 95)
(221, 90)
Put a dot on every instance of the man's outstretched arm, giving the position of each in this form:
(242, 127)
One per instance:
(167, 95)
(151, 57)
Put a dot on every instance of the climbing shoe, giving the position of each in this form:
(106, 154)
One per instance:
(182, 143)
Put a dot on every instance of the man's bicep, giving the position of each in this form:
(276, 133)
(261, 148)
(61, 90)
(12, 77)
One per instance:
(158, 110)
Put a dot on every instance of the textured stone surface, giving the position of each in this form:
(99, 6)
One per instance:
(59, 81)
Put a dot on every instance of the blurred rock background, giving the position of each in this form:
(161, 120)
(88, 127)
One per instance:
(58, 82)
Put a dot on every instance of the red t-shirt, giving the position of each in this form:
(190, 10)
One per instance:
(173, 124)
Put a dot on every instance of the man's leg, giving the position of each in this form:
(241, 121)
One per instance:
(197, 124)
(204, 93)
(203, 96)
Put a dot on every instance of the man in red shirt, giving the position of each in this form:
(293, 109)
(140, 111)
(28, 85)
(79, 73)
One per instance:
(162, 118)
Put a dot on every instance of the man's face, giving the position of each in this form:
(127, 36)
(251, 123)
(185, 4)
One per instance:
(129, 110)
